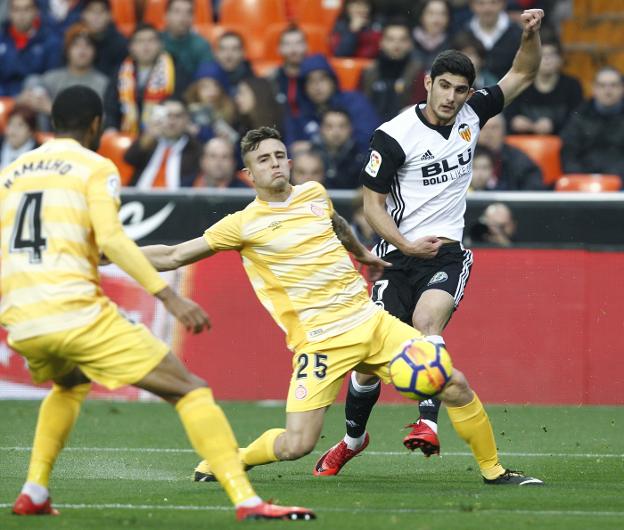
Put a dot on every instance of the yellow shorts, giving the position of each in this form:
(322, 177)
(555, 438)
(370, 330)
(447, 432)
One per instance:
(319, 368)
(111, 351)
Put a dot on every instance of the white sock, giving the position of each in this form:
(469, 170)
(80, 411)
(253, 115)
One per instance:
(362, 389)
(432, 424)
(38, 494)
(354, 443)
(250, 503)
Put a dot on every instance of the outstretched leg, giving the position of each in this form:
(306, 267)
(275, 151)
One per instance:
(57, 417)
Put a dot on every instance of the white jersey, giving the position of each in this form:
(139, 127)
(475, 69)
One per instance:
(425, 170)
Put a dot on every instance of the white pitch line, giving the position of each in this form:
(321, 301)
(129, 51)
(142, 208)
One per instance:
(209, 508)
(370, 453)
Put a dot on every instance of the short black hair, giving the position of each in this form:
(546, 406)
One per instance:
(252, 139)
(336, 110)
(143, 26)
(75, 108)
(453, 62)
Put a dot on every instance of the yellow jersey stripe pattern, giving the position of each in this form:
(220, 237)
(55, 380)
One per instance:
(297, 266)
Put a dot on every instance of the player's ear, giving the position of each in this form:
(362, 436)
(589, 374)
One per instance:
(471, 91)
(249, 174)
(428, 82)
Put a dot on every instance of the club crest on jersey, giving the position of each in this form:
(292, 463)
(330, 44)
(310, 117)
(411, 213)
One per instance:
(438, 277)
(301, 392)
(464, 132)
(374, 163)
(316, 210)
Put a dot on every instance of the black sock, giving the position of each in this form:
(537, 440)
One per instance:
(358, 408)
(429, 409)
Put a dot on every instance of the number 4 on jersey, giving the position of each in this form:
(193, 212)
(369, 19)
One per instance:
(27, 235)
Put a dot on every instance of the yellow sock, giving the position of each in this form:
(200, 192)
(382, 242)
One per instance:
(57, 415)
(473, 425)
(262, 449)
(210, 434)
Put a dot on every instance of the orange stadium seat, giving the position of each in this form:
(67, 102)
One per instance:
(154, 13)
(349, 71)
(124, 15)
(6, 105)
(317, 12)
(589, 182)
(114, 145)
(544, 150)
(254, 15)
(202, 14)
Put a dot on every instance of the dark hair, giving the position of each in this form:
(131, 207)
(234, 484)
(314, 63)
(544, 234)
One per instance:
(336, 110)
(481, 150)
(453, 62)
(343, 12)
(465, 40)
(75, 108)
(234, 34)
(143, 26)
(291, 28)
(87, 3)
(267, 112)
(171, 2)
(397, 21)
(251, 140)
(27, 114)
(550, 38)
(73, 33)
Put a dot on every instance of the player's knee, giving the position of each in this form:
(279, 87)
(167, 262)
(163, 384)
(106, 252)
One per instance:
(297, 446)
(426, 323)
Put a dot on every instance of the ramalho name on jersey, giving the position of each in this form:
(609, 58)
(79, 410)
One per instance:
(298, 267)
(426, 170)
(49, 278)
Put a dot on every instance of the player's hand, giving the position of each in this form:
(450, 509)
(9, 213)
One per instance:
(532, 20)
(190, 314)
(375, 264)
(425, 247)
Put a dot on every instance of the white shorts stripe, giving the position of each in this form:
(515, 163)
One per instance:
(463, 277)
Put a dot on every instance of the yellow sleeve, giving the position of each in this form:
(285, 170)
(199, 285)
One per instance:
(225, 234)
(321, 191)
(103, 199)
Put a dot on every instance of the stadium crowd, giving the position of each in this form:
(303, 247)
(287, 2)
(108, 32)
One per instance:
(183, 80)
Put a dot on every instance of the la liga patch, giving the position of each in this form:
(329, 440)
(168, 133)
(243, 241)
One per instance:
(374, 163)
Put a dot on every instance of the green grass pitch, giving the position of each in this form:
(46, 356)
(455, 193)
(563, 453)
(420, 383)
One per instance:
(128, 466)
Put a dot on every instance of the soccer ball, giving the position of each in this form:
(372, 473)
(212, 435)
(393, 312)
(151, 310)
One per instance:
(421, 370)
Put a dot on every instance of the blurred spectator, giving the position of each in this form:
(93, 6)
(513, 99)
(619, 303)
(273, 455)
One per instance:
(307, 167)
(58, 15)
(218, 166)
(342, 159)
(212, 110)
(593, 138)
(230, 56)
(513, 169)
(19, 135)
(4, 11)
(431, 35)
(26, 47)
(300, 147)
(469, 45)
(394, 80)
(145, 78)
(360, 226)
(495, 226)
(187, 47)
(322, 93)
(111, 46)
(483, 175)
(286, 79)
(165, 155)
(256, 106)
(40, 90)
(497, 32)
(356, 33)
(545, 106)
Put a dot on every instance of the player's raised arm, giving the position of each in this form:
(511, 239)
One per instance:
(170, 257)
(527, 60)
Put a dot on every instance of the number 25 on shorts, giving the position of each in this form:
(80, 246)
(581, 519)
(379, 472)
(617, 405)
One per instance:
(303, 365)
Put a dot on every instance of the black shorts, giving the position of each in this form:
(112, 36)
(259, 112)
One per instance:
(402, 285)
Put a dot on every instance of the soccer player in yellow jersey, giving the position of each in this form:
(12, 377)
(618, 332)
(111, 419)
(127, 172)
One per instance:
(294, 250)
(58, 207)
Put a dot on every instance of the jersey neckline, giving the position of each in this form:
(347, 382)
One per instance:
(444, 130)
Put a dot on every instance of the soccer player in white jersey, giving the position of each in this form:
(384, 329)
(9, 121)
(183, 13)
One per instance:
(415, 184)
(294, 251)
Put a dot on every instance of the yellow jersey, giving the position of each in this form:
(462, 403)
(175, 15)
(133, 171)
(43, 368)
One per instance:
(55, 202)
(298, 267)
